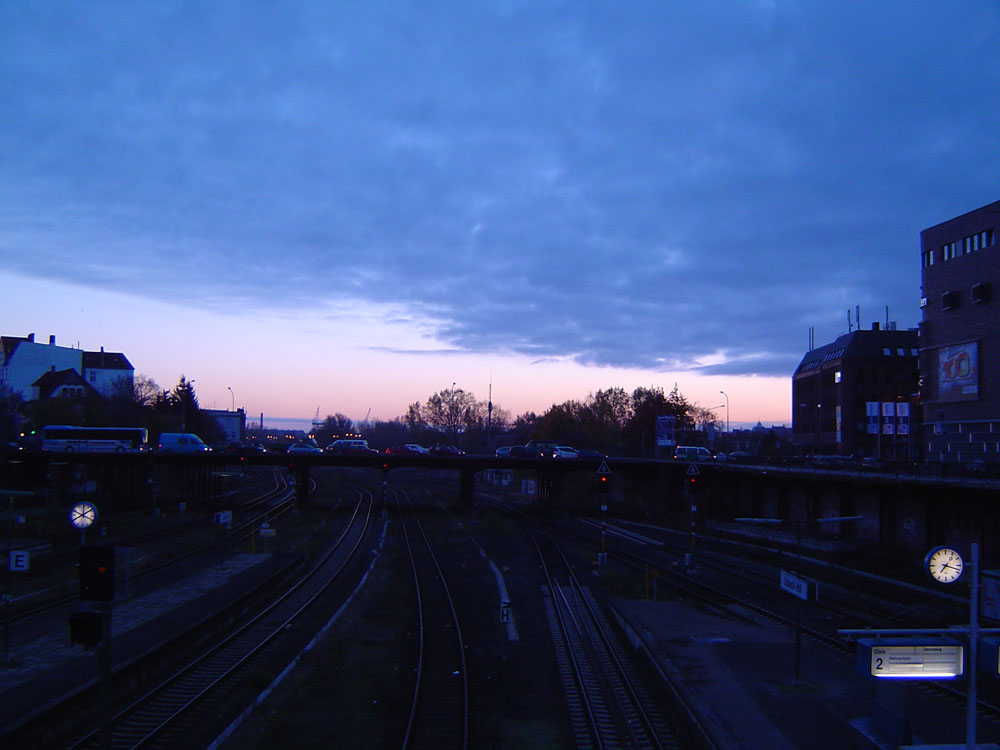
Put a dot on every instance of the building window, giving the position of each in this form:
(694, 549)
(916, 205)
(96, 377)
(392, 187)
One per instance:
(886, 351)
(836, 376)
(949, 251)
(927, 258)
(949, 300)
(980, 293)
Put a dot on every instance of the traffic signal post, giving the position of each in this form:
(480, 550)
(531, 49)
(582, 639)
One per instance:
(11, 494)
(97, 584)
(603, 489)
(692, 479)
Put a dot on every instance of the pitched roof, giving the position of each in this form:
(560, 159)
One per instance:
(106, 361)
(54, 379)
(858, 344)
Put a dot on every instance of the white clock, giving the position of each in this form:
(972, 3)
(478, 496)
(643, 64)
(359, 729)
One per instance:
(944, 564)
(83, 515)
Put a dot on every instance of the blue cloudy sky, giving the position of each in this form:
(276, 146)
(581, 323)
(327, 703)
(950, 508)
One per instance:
(339, 200)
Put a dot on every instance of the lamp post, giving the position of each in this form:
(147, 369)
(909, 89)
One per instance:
(727, 418)
(233, 395)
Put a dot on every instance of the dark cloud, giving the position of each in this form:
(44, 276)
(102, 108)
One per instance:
(657, 186)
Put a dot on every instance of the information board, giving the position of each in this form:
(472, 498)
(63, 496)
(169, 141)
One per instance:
(917, 661)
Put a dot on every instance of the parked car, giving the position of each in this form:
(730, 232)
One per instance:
(590, 453)
(305, 446)
(350, 446)
(540, 448)
(564, 451)
(692, 453)
(446, 450)
(410, 449)
(741, 457)
(504, 451)
(181, 442)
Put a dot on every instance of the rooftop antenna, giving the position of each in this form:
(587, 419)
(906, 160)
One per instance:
(849, 329)
(368, 414)
(857, 317)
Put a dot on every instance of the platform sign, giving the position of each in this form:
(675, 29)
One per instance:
(989, 594)
(797, 586)
(19, 560)
(224, 517)
(910, 659)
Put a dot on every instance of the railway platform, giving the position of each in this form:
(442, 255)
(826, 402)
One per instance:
(44, 666)
(738, 678)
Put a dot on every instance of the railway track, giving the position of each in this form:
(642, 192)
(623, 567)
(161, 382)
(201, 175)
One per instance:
(755, 597)
(439, 713)
(196, 692)
(609, 707)
(263, 505)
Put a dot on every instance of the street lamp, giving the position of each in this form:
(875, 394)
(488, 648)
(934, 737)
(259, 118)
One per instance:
(230, 389)
(727, 418)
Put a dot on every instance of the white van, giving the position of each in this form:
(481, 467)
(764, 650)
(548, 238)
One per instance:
(181, 442)
(693, 453)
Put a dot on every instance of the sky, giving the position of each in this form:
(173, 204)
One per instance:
(347, 207)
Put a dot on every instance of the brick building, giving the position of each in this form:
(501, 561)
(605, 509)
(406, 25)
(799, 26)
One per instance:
(836, 388)
(960, 337)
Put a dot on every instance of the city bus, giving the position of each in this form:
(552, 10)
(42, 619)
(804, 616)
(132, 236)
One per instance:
(67, 439)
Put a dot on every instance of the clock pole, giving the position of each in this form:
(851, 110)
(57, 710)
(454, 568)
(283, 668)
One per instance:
(970, 711)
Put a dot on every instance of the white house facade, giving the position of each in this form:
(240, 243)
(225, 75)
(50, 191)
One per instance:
(23, 361)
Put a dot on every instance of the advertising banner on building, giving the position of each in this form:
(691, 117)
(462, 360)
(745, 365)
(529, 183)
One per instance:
(958, 372)
(902, 419)
(888, 418)
(871, 409)
(665, 431)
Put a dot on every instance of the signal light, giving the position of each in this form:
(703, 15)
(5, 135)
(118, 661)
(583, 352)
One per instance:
(97, 573)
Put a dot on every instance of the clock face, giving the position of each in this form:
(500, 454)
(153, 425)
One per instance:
(82, 515)
(944, 564)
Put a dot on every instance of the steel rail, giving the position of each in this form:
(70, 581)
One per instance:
(147, 719)
(432, 725)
